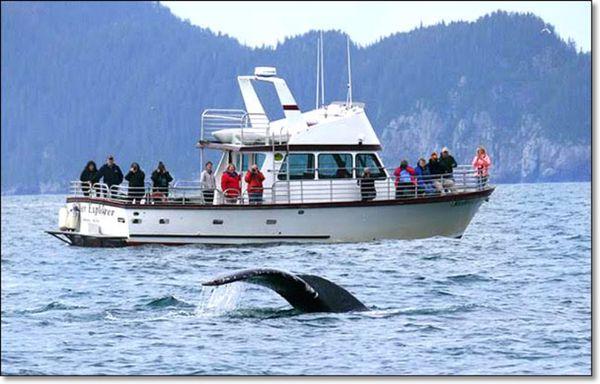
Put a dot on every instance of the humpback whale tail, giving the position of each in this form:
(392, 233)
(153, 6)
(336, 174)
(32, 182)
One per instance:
(307, 293)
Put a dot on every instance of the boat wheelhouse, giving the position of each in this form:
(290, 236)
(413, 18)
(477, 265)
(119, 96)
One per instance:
(312, 162)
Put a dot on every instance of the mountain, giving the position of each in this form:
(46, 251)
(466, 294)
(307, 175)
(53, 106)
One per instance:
(81, 80)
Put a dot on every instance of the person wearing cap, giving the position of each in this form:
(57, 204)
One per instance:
(447, 162)
(110, 173)
(161, 179)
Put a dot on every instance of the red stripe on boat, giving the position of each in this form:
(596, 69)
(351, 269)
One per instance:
(291, 108)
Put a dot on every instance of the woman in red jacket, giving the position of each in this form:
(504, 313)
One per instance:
(254, 178)
(230, 184)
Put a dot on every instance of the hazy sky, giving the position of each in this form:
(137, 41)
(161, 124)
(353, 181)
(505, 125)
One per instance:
(258, 23)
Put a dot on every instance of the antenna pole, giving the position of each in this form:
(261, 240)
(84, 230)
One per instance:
(322, 74)
(349, 97)
(318, 72)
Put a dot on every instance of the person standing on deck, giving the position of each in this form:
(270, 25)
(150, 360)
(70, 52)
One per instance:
(208, 183)
(481, 163)
(435, 170)
(447, 162)
(161, 179)
(230, 184)
(405, 183)
(135, 177)
(110, 173)
(423, 177)
(88, 177)
(367, 185)
(254, 178)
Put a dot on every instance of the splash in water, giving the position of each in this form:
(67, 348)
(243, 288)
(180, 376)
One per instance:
(219, 300)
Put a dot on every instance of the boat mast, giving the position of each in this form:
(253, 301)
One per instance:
(322, 73)
(349, 95)
(318, 72)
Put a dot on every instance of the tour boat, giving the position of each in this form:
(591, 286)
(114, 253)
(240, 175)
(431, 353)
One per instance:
(312, 162)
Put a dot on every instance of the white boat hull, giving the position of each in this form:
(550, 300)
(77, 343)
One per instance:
(343, 222)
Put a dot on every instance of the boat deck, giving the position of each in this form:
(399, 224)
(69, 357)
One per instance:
(462, 184)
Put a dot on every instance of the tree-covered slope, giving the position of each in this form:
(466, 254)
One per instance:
(81, 80)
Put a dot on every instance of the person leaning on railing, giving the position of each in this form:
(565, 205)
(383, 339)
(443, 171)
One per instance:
(88, 177)
(230, 184)
(254, 178)
(481, 162)
(208, 183)
(136, 189)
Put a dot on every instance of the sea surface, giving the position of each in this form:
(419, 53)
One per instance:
(511, 297)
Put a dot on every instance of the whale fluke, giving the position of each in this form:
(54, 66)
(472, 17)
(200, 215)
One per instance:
(307, 293)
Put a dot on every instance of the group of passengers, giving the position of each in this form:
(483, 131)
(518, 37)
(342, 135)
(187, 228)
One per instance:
(428, 177)
(111, 175)
(231, 184)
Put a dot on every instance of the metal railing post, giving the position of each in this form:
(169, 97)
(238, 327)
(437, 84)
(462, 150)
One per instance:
(330, 190)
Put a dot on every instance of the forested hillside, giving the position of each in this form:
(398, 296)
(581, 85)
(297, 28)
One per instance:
(81, 80)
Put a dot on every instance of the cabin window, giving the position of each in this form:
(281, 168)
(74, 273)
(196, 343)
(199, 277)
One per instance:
(259, 159)
(335, 166)
(252, 158)
(302, 167)
(245, 162)
(364, 160)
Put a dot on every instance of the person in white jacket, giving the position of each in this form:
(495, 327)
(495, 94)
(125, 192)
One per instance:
(208, 183)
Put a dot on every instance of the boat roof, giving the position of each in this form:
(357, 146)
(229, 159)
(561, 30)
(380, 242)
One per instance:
(337, 123)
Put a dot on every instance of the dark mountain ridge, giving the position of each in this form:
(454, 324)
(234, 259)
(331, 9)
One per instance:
(81, 80)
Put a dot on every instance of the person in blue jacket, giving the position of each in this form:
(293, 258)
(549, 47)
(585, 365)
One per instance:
(423, 177)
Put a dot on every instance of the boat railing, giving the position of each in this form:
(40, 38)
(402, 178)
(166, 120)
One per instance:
(462, 180)
(247, 128)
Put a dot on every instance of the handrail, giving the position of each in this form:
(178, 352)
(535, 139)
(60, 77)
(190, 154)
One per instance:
(253, 127)
(303, 191)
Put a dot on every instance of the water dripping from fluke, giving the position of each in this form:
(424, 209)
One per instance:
(216, 301)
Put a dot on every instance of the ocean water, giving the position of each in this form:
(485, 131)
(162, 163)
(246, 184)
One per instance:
(511, 297)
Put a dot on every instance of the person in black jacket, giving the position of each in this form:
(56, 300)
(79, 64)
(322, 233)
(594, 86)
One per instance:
(367, 185)
(435, 170)
(161, 179)
(135, 177)
(88, 177)
(434, 165)
(447, 162)
(110, 173)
